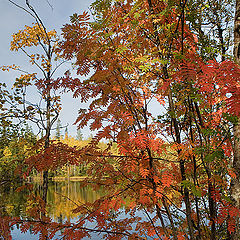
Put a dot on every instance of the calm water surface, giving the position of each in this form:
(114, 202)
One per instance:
(62, 198)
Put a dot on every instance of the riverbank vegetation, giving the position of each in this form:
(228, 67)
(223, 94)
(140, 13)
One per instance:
(16, 146)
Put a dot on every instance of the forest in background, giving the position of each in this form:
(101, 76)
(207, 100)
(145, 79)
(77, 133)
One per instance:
(15, 144)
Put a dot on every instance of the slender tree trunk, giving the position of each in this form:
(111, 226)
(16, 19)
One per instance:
(235, 185)
(176, 126)
(46, 145)
(47, 139)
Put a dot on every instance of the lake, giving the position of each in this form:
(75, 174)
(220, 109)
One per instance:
(62, 198)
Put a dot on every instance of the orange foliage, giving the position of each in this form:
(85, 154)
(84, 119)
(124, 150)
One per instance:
(175, 166)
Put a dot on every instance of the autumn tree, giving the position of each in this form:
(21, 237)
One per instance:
(162, 87)
(39, 45)
(15, 140)
(175, 165)
(235, 188)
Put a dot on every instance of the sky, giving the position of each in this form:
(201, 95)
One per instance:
(54, 13)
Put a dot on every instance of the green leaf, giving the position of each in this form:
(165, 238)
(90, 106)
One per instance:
(189, 185)
(121, 49)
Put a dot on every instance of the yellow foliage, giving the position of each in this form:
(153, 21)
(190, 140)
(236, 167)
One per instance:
(7, 68)
(7, 152)
(31, 36)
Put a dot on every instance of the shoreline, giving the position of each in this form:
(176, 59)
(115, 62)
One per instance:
(59, 179)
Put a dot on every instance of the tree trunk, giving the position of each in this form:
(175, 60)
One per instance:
(47, 139)
(235, 185)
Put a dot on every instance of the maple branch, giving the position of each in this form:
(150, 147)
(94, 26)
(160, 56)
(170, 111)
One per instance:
(144, 184)
(156, 231)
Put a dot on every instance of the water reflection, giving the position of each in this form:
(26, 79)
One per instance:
(12, 203)
(62, 198)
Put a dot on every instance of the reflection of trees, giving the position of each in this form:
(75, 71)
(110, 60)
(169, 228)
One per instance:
(13, 203)
(63, 197)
